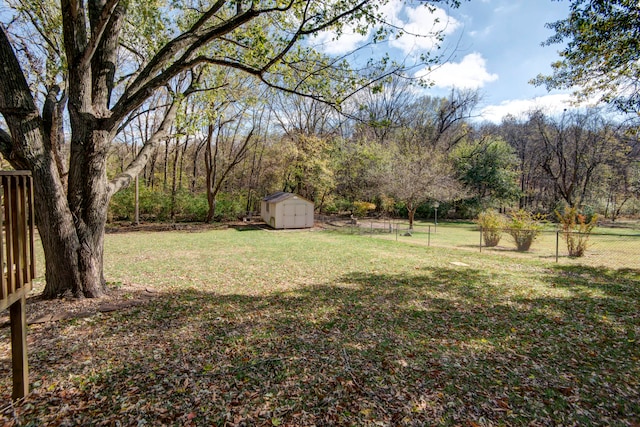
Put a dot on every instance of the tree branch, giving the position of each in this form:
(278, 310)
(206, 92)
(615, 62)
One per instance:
(8, 151)
(169, 50)
(97, 32)
(124, 179)
(73, 29)
(42, 32)
(151, 77)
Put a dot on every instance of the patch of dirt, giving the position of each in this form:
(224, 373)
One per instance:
(195, 227)
(127, 227)
(40, 310)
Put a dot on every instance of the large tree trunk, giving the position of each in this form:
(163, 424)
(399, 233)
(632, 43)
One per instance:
(89, 200)
(71, 228)
(57, 232)
(29, 147)
(90, 84)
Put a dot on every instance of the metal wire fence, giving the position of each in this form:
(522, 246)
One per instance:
(610, 248)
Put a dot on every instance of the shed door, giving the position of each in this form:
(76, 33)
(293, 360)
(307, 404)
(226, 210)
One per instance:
(295, 215)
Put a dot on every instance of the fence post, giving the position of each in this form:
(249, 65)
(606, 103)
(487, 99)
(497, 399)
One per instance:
(396, 231)
(480, 238)
(557, 244)
(19, 361)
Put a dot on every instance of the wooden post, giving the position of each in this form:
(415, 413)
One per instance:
(32, 225)
(9, 233)
(4, 286)
(19, 361)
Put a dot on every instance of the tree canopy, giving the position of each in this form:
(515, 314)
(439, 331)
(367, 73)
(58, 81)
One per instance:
(601, 53)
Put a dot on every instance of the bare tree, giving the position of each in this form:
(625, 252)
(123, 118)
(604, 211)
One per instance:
(384, 109)
(309, 130)
(522, 134)
(228, 142)
(441, 123)
(415, 179)
(574, 147)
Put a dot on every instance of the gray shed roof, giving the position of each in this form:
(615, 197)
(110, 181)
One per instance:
(283, 195)
(278, 197)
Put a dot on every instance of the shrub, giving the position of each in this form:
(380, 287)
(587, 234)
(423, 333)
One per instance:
(337, 205)
(156, 205)
(576, 229)
(491, 223)
(524, 228)
(588, 212)
(153, 204)
(360, 209)
(386, 205)
(229, 207)
(330, 208)
(190, 207)
(121, 206)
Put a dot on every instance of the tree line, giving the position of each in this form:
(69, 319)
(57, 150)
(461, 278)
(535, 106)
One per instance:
(394, 147)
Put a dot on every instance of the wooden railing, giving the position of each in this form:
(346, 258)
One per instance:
(18, 262)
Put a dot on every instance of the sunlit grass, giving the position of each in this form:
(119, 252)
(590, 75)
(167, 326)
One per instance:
(606, 247)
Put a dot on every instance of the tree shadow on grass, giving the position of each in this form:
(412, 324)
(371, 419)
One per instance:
(621, 284)
(437, 346)
(250, 227)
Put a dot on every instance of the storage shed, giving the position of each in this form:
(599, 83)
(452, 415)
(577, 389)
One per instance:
(287, 210)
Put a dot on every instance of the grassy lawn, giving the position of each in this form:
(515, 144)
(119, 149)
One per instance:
(607, 247)
(316, 328)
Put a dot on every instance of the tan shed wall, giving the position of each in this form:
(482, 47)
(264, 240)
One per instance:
(290, 213)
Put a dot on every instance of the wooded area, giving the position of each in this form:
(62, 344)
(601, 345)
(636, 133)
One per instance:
(396, 150)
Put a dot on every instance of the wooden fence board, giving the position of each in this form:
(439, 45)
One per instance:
(18, 267)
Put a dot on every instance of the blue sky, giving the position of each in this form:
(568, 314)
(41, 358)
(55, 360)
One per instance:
(507, 35)
(493, 46)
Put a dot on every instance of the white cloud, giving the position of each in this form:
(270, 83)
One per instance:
(391, 12)
(422, 27)
(419, 26)
(485, 32)
(470, 73)
(550, 104)
(347, 42)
